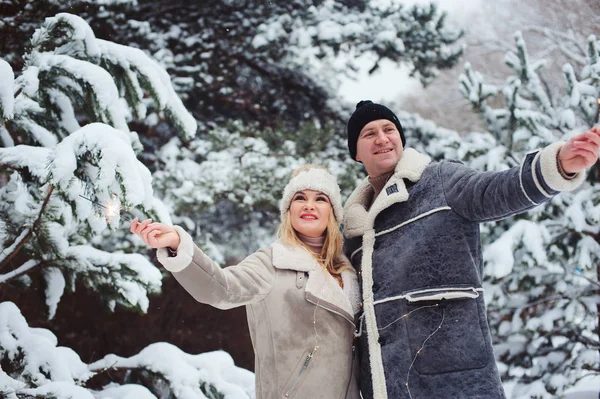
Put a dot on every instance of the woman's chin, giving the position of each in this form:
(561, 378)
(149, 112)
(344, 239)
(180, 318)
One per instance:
(309, 231)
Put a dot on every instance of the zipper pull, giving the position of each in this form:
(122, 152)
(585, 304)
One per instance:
(308, 358)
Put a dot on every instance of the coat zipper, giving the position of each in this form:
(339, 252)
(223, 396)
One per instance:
(351, 370)
(304, 367)
(330, 310)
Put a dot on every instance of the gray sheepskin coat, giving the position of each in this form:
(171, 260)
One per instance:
(418, 252)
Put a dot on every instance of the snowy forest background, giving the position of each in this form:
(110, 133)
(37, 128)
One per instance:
(195, 114)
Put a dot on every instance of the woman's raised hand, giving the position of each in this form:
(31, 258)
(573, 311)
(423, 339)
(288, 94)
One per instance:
(155, 235)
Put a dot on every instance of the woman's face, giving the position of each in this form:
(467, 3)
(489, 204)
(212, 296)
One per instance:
(309, 212)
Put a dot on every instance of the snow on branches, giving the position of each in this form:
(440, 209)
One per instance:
(35, 366)
(59, 174)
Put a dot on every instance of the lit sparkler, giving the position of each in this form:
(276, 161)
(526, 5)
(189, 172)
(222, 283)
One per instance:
(112, 208)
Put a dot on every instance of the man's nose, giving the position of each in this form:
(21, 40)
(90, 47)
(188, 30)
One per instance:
(380, 137)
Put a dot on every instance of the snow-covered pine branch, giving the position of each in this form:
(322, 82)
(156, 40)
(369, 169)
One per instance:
(7, 101)
(415, 35)
(130, 71)
(98, 161)
(110, 167)
(185, 376)
(61, 177)
(35, 366)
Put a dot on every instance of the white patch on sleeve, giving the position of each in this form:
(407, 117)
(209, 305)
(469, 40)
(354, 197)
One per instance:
(185, 252)
(550, 172)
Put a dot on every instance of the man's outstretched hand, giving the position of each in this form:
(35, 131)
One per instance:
(581, 151)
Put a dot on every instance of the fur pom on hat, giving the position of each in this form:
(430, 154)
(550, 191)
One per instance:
(314, 178)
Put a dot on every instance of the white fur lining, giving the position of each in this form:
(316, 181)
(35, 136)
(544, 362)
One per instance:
(357, 220)
(185, 252)
(325, 288)
(288, 257)
(375, 357)
(550, 172)
(320, 283)
(352, 290)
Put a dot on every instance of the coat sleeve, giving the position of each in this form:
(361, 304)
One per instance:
(485, 196)
(247, 282)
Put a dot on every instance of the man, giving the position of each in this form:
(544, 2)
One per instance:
(412, 231)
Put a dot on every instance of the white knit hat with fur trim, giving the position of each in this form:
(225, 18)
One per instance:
(316, 179)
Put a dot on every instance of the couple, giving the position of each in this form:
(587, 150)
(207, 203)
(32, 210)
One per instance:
(412, 232)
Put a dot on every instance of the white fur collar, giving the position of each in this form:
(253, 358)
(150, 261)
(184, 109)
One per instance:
(357, 219)
(291, 257)
(320, 284)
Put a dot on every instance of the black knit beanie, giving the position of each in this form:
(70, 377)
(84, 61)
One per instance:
(365, 112)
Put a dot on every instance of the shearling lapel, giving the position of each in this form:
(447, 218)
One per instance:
(321, 288)
(357, 219)
(290, 257)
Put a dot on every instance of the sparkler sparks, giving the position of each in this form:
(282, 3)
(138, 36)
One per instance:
(111, 209)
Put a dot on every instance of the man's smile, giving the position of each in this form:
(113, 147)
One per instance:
(384, 151)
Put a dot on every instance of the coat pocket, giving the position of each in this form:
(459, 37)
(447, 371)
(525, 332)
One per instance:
(447, 335)
(293, 384)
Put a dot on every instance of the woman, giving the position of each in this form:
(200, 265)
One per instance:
(301, 293)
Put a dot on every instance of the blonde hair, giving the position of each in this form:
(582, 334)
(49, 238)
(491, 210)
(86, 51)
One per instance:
(331, 257)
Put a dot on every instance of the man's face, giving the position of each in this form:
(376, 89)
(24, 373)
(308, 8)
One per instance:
(379, 147)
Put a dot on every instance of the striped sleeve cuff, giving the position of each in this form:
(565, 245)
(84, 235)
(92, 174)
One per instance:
(183, 256)
(541, 178)
(549, 175)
